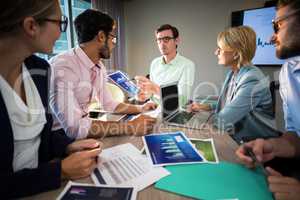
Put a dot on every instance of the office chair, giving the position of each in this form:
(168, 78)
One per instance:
(117, 94)
(274, 86)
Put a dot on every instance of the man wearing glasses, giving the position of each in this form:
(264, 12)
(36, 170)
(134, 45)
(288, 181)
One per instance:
(79, 79)
(286, 39)
(170, 67)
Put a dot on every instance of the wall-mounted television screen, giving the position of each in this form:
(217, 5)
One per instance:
(260, 20)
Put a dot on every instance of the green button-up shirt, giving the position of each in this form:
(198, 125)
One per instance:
(180, 69)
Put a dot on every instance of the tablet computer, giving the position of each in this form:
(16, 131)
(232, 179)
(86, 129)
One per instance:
(123, 81)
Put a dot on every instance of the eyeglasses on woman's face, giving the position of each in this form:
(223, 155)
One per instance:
(63, 22)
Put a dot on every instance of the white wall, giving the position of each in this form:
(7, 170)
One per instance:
(198, 22)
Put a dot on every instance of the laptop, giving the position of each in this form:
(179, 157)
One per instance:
(170, 109)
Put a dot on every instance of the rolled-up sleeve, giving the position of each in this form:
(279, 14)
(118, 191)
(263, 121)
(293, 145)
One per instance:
(64, 105)
(186, 82)
(109, 104)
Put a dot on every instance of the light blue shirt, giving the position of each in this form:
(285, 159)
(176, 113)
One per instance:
(289, 79)
(180, 69)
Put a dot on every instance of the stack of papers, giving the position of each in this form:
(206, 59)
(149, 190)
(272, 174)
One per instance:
(123, 165)
(122, 171)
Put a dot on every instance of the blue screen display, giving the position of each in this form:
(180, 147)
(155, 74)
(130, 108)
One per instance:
(261, 21)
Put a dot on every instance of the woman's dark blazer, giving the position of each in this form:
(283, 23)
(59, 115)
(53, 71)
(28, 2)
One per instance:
(47, 175)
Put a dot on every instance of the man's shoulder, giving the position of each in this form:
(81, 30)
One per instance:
(157, 60)
(186, 61)
(66, 55)
(65, 59)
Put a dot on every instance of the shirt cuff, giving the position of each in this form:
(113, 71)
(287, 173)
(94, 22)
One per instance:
(83, 128)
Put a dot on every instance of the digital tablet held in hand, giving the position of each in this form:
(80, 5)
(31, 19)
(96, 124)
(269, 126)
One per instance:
(124, 82)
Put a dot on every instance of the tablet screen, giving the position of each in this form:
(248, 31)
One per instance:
(124, 82)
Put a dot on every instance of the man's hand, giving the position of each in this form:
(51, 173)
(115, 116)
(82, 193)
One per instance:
(283, 188)
(148, 106)
(266, 150)
(143, 96)
(141, 80)
(263, 150)
(79, 164)
(141, 125)
(146, 85)
(81, 145)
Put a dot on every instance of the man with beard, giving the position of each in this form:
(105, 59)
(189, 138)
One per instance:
(79, 78)
(169, 68)
(287, 42)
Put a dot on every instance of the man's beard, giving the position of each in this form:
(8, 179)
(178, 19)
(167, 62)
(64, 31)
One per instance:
(288, 51)
(291, 46)
(104, 52)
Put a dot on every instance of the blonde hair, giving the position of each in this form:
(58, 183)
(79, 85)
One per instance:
(242, 40)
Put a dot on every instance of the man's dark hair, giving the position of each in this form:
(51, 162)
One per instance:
(293, 5)
(168, 27)
(90, 22)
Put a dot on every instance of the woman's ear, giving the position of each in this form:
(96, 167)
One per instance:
(30, 26)
(236, 56)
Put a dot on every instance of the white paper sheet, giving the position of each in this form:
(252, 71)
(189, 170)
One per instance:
(123, 165)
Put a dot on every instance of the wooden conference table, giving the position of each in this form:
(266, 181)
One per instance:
(225, 147)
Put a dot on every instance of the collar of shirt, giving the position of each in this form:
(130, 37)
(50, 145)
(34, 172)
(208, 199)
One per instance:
(85, 60)
(294, 63)
(100, 64)
(172, 62)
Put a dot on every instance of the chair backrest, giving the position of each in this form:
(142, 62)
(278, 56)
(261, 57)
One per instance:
(274, 85)
(117, 94)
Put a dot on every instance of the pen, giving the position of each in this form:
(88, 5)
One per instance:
(250, 153)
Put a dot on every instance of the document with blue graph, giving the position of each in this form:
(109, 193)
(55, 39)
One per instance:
(171, 149)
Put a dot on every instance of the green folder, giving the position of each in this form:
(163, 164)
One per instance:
(216, 181)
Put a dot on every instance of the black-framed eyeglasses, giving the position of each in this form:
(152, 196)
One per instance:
(275, 22)
(164, 39)
(63, 22)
